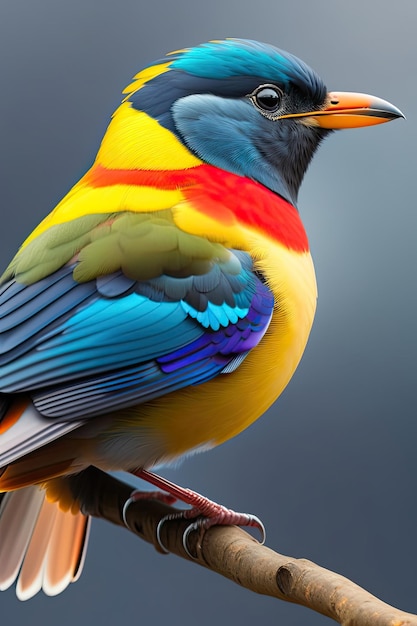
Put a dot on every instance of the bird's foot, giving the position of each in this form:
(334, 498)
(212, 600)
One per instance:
(217, 516)
(137, 495)
(204, 512)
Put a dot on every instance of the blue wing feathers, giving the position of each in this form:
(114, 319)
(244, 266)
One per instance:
(31, 327)
(114, 285)
(85, 349)
(103, 397)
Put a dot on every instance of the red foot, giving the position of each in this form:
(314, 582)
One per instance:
(166, 498)
(205, 512)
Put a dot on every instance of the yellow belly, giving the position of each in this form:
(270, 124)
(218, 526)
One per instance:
(206, 415)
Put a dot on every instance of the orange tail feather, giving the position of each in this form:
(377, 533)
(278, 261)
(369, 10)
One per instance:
(41, 546)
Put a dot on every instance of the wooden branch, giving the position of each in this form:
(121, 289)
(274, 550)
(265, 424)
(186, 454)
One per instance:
(233, 553)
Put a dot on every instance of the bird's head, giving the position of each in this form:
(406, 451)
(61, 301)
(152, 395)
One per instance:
(239, 105)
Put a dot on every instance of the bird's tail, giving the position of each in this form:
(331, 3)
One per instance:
(42, 546)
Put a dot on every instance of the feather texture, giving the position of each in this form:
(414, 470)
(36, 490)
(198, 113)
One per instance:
(44, 551)
(166, 302)
(136, 318)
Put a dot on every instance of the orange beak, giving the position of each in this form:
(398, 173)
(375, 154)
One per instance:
(350, 110)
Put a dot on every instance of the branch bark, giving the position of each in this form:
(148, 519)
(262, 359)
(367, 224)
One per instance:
(233, 553)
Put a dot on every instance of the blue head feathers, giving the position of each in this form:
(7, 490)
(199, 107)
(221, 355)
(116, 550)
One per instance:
(206, 99)
(244, 57)
(231, 68)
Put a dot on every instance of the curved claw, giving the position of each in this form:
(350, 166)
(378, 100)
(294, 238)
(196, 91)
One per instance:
(204, 523)
(136, 495)
(161, 522)
(186, 534)
(126, 505)
(258, 523)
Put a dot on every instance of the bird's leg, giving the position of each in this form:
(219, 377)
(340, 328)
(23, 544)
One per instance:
(205, 512)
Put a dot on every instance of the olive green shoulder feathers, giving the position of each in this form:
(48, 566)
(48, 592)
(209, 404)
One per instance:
(143, 246)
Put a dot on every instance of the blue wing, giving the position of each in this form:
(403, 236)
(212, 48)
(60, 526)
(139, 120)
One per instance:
(83, 349)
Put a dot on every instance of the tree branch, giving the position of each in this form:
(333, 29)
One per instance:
(233, 553)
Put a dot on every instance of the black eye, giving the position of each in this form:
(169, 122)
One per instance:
(267, 98)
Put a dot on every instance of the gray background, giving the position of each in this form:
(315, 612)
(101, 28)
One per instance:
(331, 469)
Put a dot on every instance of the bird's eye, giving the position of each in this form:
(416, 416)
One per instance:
(267, 98)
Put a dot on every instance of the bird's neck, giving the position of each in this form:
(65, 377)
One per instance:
(287, 152)
(135, 140)
(205, 201)
(142, 167)
(140, 154)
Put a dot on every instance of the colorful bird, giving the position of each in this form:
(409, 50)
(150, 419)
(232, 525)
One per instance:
(166, 301)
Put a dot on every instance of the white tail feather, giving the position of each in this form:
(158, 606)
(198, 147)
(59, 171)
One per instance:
(19, 513)
(32, 572)
(41, 546)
